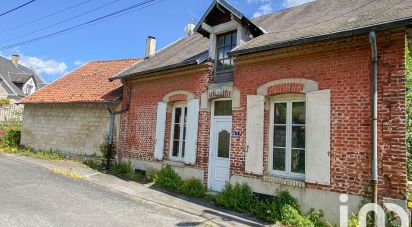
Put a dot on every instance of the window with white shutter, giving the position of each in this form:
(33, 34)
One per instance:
(160, 130)
(192, 128)
(287, 136)
(318, 120)
(254, 134)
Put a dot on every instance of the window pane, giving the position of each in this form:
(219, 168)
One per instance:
(221, 53)
(227, 65)
(298, 113)
(183, 149)
(176, 132)
(178, 113)
(223, 144)
(175, 149)
(298, 137)
(280, 113)
(184, 132)
(221, 41)
(298, 161)
(279, 136)
(185, 116)
(227, 50)
(234, 38)
(279, 159)
(223, 108)
(219, 65)
(228, 40)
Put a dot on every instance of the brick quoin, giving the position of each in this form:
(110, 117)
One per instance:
(344, 66)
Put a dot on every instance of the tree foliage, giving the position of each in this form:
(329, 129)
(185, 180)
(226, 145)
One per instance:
(408, 71)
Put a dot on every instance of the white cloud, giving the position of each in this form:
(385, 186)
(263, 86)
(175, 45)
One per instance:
(257, 1)
(291, 3)
(263, 9)
(50, 66)
(78, 63)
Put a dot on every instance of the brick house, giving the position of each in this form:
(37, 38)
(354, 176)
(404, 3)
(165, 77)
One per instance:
(71, 114)
(280, 102)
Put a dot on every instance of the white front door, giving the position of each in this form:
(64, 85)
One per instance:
(219, 155)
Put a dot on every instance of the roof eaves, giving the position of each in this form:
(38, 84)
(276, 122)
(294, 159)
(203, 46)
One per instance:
(163, 68)
(327, 36)
(117, 100)
(8, 85)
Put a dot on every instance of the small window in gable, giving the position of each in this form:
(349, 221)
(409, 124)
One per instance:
(225, 43)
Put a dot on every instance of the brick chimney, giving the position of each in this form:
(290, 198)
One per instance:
(150, 47)
(15, 60)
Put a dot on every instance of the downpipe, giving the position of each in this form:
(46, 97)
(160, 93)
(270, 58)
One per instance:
(112, 121)
(374, 180)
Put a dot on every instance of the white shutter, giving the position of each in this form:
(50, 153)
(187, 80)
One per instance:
(160, 130)
(254, 134)
(191, 131)
(318, 137)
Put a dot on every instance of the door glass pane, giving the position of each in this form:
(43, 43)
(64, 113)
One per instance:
(279, 159)
(298, 161)
(279, 136)
(223, 108)
(298, 113)
(298, 137)
(280, 113)
(223, 144)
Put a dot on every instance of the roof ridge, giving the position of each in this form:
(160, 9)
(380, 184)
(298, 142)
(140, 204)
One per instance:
(114, 60)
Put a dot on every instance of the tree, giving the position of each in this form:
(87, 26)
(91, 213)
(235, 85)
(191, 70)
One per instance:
(408, 72)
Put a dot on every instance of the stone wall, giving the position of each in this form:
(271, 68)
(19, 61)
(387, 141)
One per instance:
(70, 128)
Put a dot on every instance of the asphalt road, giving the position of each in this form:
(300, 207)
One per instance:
(34, 196)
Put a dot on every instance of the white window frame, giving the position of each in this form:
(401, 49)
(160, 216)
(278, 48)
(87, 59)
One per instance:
(289, 99)
(179, 158)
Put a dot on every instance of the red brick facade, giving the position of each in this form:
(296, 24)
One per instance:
(343, 66)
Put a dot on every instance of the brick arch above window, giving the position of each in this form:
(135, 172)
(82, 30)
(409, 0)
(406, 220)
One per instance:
(178, 96)
(290, 85)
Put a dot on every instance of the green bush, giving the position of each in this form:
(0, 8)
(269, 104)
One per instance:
(94, 164)
(408, 66)
(12, 137)
(122, 168)
(238, 197)
(168, 178)
(291, 217)
(193, 187)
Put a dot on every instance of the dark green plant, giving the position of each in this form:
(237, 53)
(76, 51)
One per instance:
(408, 72)
(168, 178)
(238, 197)
(193, 187)
(108, 152)
(315, 217)
(122, 168)
(94, 164)
(12, 137)
(291, 217)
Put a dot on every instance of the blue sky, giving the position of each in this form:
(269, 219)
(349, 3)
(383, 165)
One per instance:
(122, 37)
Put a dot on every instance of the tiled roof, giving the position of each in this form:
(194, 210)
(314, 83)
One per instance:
(87, 84)
(283, 28)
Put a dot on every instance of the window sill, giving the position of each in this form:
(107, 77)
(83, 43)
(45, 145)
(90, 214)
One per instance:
(284, 181)
(176, 163)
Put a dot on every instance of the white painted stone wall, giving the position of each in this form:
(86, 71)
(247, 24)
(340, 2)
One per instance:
(77, 129)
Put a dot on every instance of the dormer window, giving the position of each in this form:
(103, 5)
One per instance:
(225, 43)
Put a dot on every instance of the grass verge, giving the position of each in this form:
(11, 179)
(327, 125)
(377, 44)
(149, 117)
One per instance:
(66, 173)
(45, 155)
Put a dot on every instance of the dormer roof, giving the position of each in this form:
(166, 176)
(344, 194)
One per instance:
(220, 12)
